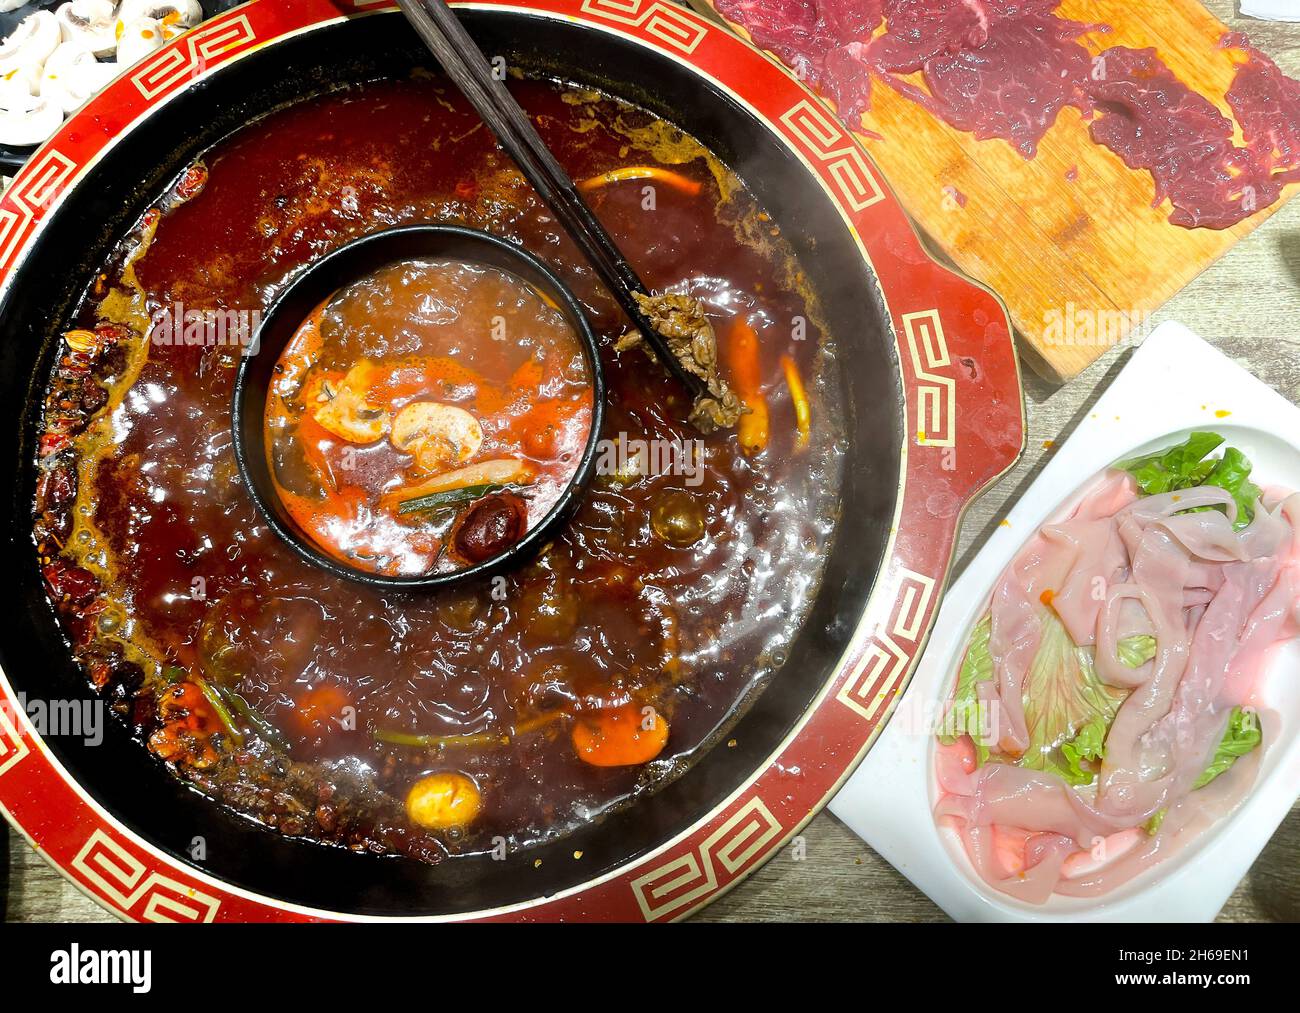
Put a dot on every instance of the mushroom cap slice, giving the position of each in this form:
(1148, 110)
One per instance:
(179, 14)
(72, 76)
(31, 43)
(29, 122)
(138, 38)
(22, 80)
(437, 435)
(348, 415)
(92, 23)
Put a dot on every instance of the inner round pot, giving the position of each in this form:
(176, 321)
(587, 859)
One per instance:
(321, 280)
(128, 782)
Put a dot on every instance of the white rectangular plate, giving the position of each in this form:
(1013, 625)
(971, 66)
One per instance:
(1174, 383)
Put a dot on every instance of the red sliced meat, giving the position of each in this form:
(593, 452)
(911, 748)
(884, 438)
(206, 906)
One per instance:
(1267, 105)
(1006, 68)
(789, 28)
(823, 41)
(848, 21)
(846, 80)
(994, 68)
(919, 30)
(1015, 85)
(1155, 122)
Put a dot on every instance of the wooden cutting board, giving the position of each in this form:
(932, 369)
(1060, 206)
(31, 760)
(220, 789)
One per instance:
(1070, 239)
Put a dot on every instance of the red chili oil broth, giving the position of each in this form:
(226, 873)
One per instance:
(679, 592)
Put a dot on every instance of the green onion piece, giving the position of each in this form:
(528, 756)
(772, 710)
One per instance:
(447, 498)
(538, 723)
(450, 498)
(480, 739)
(219, 706)
(440, 741)
(265, 730)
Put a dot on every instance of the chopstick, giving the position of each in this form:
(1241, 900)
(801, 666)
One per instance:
(465, 63)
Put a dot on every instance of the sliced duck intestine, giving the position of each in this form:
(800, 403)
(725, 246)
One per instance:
(1047, 566)
(1218, 601)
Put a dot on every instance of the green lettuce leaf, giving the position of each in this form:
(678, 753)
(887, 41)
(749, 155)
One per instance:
(1241, 736)
(1134, 652)
(1188, 465)
(1062, 696)
(966, 716)
(1233, 473)
(1181, 467)
(1089, 744)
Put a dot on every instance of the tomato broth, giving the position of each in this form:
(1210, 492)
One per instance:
(426, 417)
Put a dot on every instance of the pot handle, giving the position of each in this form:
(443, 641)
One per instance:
(965, 423)
(965, 428)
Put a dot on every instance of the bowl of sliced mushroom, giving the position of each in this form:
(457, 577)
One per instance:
(421, 407)
(54, 57)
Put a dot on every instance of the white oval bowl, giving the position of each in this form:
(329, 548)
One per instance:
(1174, 383)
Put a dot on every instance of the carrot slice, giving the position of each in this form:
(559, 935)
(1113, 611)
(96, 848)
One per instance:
(319, 709)
(619, 737)
(802, 411)
(674, 179)
(742, 357)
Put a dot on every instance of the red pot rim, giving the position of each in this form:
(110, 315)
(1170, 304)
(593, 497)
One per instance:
(964, 419)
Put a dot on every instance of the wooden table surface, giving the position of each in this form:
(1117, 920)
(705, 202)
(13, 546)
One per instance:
(1249, 305)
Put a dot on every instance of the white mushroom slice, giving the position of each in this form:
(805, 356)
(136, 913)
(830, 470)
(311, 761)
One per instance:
(176, 16)
(72, 75)
(93, 23)
(31, 43)
(16, 92)
(10, 5)
(347, 414)
(437, 435)
(137, 39)
(28, 119)
(24, 79)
